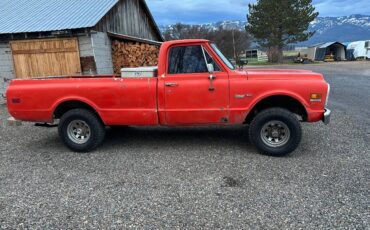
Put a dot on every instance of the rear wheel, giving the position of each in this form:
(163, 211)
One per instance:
(81, 130)
(275, 132)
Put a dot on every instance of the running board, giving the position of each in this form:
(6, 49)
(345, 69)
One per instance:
(46, 125)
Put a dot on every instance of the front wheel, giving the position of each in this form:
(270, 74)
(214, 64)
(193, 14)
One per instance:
(275, 132)
(81, 130)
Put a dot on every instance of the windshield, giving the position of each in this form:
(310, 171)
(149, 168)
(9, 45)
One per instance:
(222, 56)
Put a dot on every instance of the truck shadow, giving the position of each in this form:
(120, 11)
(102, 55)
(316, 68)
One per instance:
(180, 137)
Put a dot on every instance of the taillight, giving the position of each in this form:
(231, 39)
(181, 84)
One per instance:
(16, 100)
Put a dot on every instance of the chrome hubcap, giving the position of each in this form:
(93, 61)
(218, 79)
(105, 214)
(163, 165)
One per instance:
(79, 131)
(275, 134)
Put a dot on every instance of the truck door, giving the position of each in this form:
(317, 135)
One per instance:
(192, 95)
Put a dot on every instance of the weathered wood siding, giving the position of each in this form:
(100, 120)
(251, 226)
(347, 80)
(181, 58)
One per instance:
(129, 17)
(46, 57)
(6, 67)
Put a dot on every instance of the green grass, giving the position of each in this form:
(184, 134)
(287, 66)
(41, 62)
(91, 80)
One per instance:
(254, 61)
(257, 63)
(288, 60)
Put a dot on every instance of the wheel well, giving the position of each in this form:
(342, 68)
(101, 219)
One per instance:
(285, 102)
(69, 105)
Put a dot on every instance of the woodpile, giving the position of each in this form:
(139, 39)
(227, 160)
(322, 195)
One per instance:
(133, 54)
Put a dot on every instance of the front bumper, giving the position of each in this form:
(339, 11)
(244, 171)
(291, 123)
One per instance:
(326, 118)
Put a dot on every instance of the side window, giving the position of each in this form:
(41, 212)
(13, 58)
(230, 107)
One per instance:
(210, 60)
(186, 59)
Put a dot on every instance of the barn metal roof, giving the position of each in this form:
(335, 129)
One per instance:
(22, 16)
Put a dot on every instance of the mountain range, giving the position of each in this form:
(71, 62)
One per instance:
(343, 29)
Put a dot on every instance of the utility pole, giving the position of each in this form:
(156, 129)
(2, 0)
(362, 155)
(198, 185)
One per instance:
(236, 59)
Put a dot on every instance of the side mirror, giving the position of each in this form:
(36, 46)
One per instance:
(211, 68)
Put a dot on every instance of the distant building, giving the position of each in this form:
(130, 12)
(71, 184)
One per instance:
(330, 51)
(256, 54)
(358, 49)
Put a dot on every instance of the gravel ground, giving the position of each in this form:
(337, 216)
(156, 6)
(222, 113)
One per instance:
(195, 178)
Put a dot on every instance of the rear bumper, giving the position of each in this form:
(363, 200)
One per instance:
(31, 115)
(327, 115)
(13, 122)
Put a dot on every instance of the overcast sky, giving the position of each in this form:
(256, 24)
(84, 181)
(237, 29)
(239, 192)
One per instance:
(203, 11)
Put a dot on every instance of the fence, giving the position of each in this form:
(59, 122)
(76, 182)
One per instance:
(262, 58)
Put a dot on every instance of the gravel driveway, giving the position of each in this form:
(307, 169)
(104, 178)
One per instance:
(195, 178)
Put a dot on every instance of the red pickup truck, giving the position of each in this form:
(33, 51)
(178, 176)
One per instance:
(194, 84)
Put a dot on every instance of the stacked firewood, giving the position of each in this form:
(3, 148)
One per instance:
(133, 54)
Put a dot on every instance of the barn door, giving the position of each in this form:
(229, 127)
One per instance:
(46, 57)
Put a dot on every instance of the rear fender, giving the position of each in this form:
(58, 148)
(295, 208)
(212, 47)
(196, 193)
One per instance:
(75, 98)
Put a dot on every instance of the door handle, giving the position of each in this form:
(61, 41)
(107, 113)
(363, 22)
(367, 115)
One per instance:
(211, 78)
(171, 84)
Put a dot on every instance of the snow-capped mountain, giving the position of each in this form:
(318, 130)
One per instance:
(229, 24)
(346, 28)
(323, 24)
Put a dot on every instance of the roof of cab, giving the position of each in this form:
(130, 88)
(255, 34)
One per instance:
(187, 41)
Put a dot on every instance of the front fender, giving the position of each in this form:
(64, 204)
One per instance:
(266, 95)
(239, 115)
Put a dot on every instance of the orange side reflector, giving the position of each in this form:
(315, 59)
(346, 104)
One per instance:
(316, 96)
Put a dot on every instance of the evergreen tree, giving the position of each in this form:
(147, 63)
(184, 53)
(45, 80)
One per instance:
(277, 23)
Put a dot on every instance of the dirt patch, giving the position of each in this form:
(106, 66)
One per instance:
(230, 182)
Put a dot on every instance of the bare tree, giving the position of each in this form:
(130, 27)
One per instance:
(231, 42)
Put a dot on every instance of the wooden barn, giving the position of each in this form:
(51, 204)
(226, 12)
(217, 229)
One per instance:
(62, 37)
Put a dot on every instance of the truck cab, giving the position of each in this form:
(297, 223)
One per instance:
(193, 84)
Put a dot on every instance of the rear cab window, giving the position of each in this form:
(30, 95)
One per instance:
(189, 59)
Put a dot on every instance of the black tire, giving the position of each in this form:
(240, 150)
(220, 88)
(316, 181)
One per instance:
(94, 130)
(277, 124)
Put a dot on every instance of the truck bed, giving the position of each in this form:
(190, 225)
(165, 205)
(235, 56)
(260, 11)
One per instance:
(109, 95)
